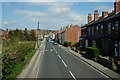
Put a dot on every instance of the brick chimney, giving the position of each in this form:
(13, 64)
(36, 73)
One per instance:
(67, 28)
(71, 26)
(117, 6)
(104, 14)
(96, 15)
(89, 18)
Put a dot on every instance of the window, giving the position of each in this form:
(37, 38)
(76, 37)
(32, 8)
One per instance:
(88, 31)
(116, 25)
(109, 28)
(96, 29)
(101, 29)
(93, 30)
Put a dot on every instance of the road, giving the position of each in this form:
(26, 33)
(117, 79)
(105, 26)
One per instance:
(55, 62)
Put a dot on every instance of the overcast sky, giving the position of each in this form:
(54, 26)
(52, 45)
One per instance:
(51, 15)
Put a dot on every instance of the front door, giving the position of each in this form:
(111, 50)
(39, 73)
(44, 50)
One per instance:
(117, 48)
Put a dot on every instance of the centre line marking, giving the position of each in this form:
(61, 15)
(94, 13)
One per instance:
(72, 75)
(64, 63)
(59, 56)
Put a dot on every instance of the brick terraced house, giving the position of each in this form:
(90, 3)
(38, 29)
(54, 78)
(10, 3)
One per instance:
(70, 34)
(103, 32)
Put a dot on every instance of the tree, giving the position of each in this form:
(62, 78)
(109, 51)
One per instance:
(26, 35)
(32, 35)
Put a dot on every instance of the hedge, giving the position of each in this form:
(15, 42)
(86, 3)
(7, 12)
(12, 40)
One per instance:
(66, 43)
(93, 52)
(70, 43)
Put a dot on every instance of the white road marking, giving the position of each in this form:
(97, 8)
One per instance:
(59, 56)
(39, 60)
(38, 70)
(54, 49)
(38, 66)
(95, 69)
(41, 45)
(88, 65)
(51, 50)
(72, 75)
(64, 63)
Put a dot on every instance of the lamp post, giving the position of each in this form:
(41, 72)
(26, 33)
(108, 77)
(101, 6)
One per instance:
(38, 35)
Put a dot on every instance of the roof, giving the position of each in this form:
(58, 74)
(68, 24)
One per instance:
(110, 16)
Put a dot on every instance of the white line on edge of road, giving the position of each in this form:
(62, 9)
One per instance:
(88, 64)
(59, 56)
(41, 45)
(72, 75)
(39, 64)
(64, 63)
(96, 70)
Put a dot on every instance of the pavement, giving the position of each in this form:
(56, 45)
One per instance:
(110, 73)
(56, 61)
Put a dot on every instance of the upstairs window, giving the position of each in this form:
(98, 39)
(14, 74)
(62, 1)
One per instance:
(93, 30)
(109, 28)
(101, 28)
(97, 29)
(88, 31)
(116, 25)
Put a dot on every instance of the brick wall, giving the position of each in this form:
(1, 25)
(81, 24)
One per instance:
(73, 34)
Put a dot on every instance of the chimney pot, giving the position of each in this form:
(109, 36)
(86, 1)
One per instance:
(104, 14)
(71, 26)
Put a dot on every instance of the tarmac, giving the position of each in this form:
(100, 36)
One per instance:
(102, 68)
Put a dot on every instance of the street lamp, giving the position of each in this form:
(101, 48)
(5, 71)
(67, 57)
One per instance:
(38, 35)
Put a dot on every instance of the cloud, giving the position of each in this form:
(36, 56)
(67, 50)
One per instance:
(9, 22)
(28, 12)
(58, 10)
(29, 0)
(105, 8)
(5, 23)
(56, 14)
(57, 0)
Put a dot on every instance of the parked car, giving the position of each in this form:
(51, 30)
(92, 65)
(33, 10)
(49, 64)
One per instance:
(55, 43)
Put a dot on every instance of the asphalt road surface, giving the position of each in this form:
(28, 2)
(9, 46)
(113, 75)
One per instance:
(55, 62)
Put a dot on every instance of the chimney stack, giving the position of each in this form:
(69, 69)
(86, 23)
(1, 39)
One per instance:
(67, 28)
(71, 26)
(96, 15)
(117, 6)
(89, 18)
(104, 14)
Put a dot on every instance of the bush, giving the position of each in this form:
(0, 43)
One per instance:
(93, 52)
(66, 43)
(78, 48)
(73, 44)
(13, 55)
